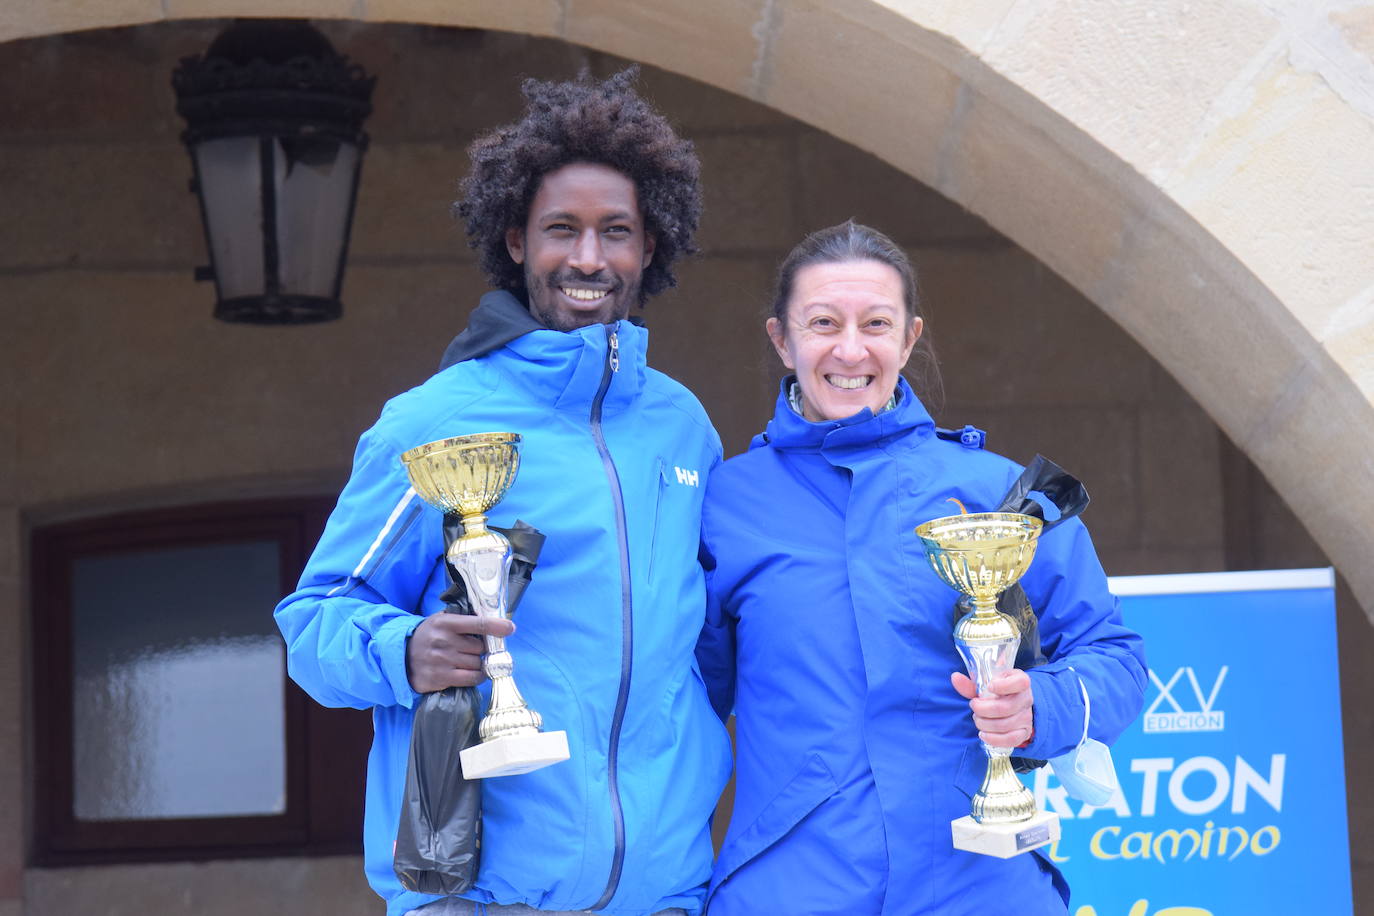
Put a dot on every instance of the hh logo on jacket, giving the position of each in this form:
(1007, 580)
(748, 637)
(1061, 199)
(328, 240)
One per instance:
(690, 478)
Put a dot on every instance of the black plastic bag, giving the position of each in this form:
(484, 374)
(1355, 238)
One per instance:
(439, 837)
(1070, 498)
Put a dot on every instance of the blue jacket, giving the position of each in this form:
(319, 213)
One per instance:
(604, 635)
(832, 637)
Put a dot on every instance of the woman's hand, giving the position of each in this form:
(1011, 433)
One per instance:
(1005, 716)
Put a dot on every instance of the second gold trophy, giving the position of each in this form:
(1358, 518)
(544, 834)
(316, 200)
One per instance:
(466, 476)
(982, 555)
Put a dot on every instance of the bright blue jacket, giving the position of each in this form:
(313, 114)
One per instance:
(604, 634)
(832, 637)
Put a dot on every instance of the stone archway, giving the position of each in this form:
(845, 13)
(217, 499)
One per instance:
(1201, 174)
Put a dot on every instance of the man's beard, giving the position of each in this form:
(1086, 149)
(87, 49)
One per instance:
(545, 298)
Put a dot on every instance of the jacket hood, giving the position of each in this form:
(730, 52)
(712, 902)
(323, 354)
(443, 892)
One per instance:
(790, 430)
(567, 368)
(498, 319)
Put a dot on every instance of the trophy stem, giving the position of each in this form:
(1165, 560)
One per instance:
(474, 526)
(987, 640)
(508, 713)
(985, 605)
(482, 558)
(1003, 799)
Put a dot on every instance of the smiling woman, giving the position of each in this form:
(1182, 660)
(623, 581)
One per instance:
(846, 335)
(846, 319)
(829, 635)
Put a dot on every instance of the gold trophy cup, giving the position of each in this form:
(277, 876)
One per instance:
(466, 476)
(982, 555)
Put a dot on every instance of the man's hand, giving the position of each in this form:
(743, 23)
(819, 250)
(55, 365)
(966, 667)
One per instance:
(1005, 716)
(446, 650)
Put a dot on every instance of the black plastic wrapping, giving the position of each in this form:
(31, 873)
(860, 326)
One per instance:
(525, 543)
(1070, 498)
(439, 837)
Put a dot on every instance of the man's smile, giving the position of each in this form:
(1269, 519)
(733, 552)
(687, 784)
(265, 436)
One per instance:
(582, 294)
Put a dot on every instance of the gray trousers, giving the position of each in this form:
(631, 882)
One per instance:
(457, 906)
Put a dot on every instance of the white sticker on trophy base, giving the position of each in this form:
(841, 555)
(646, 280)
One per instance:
(1005, 840)
(514, 754)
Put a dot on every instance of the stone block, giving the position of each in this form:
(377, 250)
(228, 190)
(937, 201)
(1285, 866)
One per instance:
(10, 356)
(1356, 27)
(1036, 188)
(1157, 560)
(1317, 481)
(13, 714)
(1274, 184)
(146, 213)
(838, 181)
(708, 334)
(817, 53)
(99, 85)
(1178, 473)
(448, 84)
(716, 43)
(185, 398)
(302, 9)
(11, 552)
(1008, 331)
(332, 884)
(697, 109)
(750, 187)
(1144, 80)
(535, 17)
(1285, 540)
(1096, 445)
(405, 195)
(38, 19)
(1355, 646)
(972, 25)
(1164, 389)
(1210, 323)
(1350, 341)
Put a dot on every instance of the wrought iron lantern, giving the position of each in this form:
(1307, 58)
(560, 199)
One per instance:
(274, 128)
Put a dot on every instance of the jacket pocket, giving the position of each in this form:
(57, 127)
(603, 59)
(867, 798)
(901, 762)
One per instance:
(661, 491)
(813, 784)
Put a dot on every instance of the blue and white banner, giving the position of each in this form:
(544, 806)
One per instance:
(1232, 798)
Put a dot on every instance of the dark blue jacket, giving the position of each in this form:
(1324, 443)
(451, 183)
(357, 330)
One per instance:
(831, 636)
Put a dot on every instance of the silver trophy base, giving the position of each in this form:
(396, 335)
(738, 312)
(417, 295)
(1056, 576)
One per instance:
(1004, 840)
(514, 754)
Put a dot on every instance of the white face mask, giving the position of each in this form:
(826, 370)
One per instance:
(1086, 772)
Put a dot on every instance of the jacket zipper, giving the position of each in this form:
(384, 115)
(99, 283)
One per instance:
(626, 626)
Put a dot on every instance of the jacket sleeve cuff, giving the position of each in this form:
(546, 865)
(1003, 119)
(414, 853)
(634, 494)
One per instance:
(390, 642)
(1058, 711)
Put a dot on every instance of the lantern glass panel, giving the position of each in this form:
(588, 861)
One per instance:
(230, 175)
(315, 182)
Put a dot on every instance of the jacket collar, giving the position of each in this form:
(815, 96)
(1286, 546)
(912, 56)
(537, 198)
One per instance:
(566, 368)
(498, 319)
(790, 430)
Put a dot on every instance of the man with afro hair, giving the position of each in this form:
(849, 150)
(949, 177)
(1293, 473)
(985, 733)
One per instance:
(578, 211)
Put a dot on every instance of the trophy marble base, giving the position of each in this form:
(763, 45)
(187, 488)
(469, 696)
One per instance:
(514, 754)
(1005, 840)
